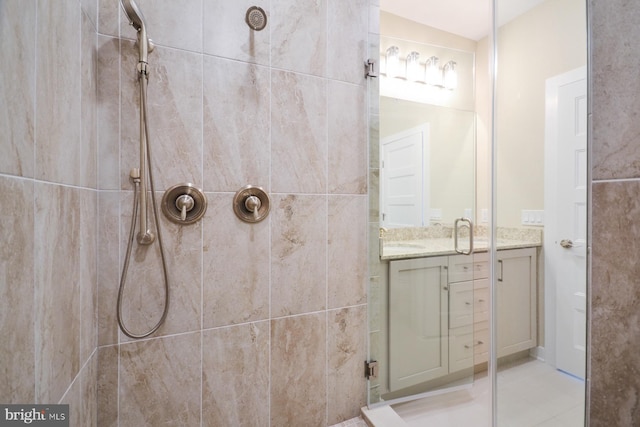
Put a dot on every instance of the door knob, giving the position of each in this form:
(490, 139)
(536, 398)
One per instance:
(566, 243)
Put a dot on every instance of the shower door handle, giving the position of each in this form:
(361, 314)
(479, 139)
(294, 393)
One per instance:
(469, 224)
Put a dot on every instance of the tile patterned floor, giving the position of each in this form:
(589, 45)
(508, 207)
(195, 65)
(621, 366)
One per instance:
(530, 394)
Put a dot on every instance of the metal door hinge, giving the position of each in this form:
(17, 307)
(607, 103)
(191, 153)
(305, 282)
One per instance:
(371, 370)
(370, 68)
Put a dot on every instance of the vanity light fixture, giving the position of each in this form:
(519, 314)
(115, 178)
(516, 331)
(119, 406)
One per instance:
(413, 67)
(433, 75)
(412, 70)
(450, 75)
(393, 61)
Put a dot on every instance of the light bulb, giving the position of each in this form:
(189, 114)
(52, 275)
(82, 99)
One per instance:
(393, 61)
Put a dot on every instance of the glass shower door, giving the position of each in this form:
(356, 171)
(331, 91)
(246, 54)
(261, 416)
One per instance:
(429, 290)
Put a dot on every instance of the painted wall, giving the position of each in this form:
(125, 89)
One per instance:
(539, 44)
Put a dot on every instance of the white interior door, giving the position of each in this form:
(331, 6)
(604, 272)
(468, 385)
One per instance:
(567, 241)
(404, 197)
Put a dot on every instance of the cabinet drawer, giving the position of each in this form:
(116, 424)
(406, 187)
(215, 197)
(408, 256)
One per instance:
(463, 267)
(481, 341)
(481, 304)
(460, 304)
(460, 348)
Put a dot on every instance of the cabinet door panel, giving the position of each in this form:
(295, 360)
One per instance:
(516, 301)
(418, 321)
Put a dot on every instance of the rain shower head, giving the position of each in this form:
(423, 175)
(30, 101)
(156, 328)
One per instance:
(136, 19)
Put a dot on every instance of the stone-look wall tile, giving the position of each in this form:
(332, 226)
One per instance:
(616, 123)
(90, 392)
(90, 8)
(108, 265)
(236, 266)
(374, 141)
(374, 18)
(17, 357)
(109, 18)
(373, 85)
(183, 251)
(374, 196)
(57, 288)
(173, 23)
(108, 112)
(58, 135)
(235, 376)
(298, 371)
(17, 86)
(82, 396)
(144, 296)
(227, 35)
(347, 251)
(160, 381)
(107, 386)
(73, 398)
(298, 133)
(174, 118)
(374, 249)
(347, 139)
(347, 39)
(299, 36)
(298, 254)
(236, 125)
(88, 101)
(87, 262)
(615, 294)
(347, 350)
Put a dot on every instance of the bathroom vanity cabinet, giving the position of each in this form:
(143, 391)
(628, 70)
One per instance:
(516, 288)
(439, 312)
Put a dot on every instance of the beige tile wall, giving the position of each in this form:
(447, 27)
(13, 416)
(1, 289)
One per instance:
(267, 322)
(615, 287)
(48, 190)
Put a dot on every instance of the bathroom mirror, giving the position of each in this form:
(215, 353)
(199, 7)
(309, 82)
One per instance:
(540, 224)
(439, 119)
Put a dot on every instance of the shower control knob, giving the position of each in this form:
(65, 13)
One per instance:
(252, 203)
(184, 204)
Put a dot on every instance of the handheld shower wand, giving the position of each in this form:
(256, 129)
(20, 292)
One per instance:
(136, 19)
(139, 176)
(145, 46)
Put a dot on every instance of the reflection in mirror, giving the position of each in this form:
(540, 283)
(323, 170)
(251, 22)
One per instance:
(540, 270)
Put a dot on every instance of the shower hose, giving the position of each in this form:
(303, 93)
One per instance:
(144, 132)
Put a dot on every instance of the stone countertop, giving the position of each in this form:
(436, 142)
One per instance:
(417, 248)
